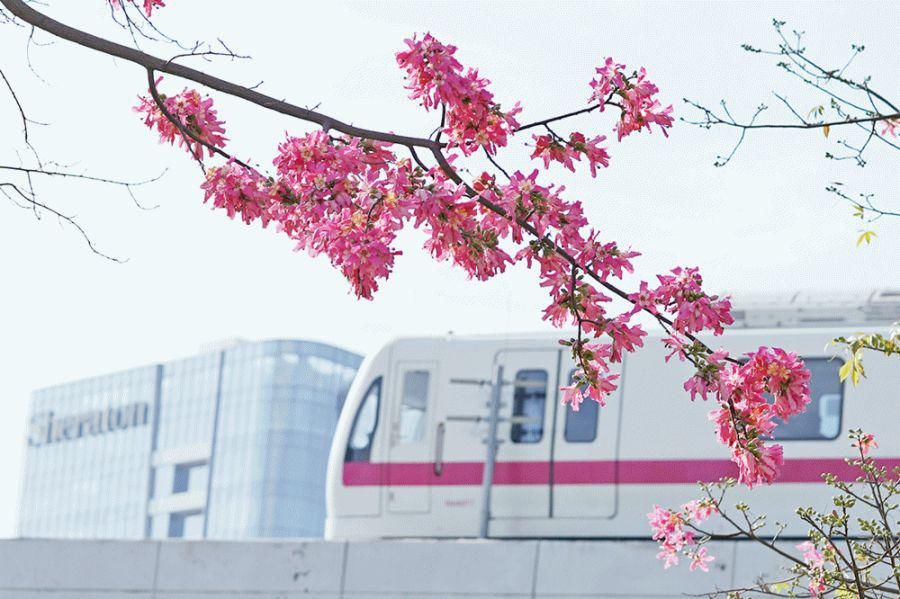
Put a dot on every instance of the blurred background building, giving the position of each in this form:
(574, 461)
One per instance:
(228, 444)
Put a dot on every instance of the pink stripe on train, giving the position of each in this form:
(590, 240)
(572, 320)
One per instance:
(602, 472)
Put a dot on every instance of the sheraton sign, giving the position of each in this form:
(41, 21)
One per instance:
(47, 428)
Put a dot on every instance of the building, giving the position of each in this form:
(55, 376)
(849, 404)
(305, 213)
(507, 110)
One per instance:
(229, 444)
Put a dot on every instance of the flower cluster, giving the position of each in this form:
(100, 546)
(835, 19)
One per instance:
(473, 119)
(342, 197)
(639, 107)
(745, 418)
(555, 149)
(196, 115)
(149, 5)
(769, 384)
(681, 295)
(348, 198)
(815, 564)
(672, 529)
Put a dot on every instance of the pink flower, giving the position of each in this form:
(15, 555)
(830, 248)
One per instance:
(610, 79)
(595, 155)
(815, 561)
(573, 396)
(811, 555)
(473, 119)
(241, 191)
(149, 5)
(865, 443)
(816, 585)
(699, 510)
(195, 113)
(681, 294)
(550, 150)
(592, 378)
(639, 107)
(784, 375)
(669, 529)
(701, 559)
(761, 466)
(601, 386)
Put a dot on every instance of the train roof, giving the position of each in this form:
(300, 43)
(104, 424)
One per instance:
(801, 310)
(817, 309)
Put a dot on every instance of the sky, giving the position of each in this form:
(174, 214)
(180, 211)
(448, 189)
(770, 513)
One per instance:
(190, 276)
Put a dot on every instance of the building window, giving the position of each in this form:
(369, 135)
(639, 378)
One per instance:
(529, 399)
(822, 418)
(359, 449)
(189, 477)
(186, 525)
(413, 405)
(581, 426)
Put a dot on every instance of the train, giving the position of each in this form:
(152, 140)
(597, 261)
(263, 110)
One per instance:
(413, 441)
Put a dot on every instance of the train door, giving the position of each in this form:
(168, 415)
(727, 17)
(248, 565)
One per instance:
(409, 453)
(522, 474)
(584, 471)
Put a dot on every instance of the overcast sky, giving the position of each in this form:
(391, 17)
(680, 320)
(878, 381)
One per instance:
(762, 224)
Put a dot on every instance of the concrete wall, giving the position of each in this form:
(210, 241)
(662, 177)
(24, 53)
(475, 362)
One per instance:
(51, 569)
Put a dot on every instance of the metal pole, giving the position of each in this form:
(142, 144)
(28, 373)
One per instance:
(491, 460)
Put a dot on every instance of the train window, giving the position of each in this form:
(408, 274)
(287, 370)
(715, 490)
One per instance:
(359, 449)
(413, 406)
(581, 426)
(529, 397)
(822, 418)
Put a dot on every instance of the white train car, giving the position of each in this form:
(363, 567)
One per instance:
(408, 456)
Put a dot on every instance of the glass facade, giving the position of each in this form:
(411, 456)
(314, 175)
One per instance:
(225, 445)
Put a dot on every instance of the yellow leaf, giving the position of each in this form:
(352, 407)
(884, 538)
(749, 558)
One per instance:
(865, 236)
(844, 372)
(826, 130)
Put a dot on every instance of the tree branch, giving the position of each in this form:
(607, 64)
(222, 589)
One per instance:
(23, 11)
